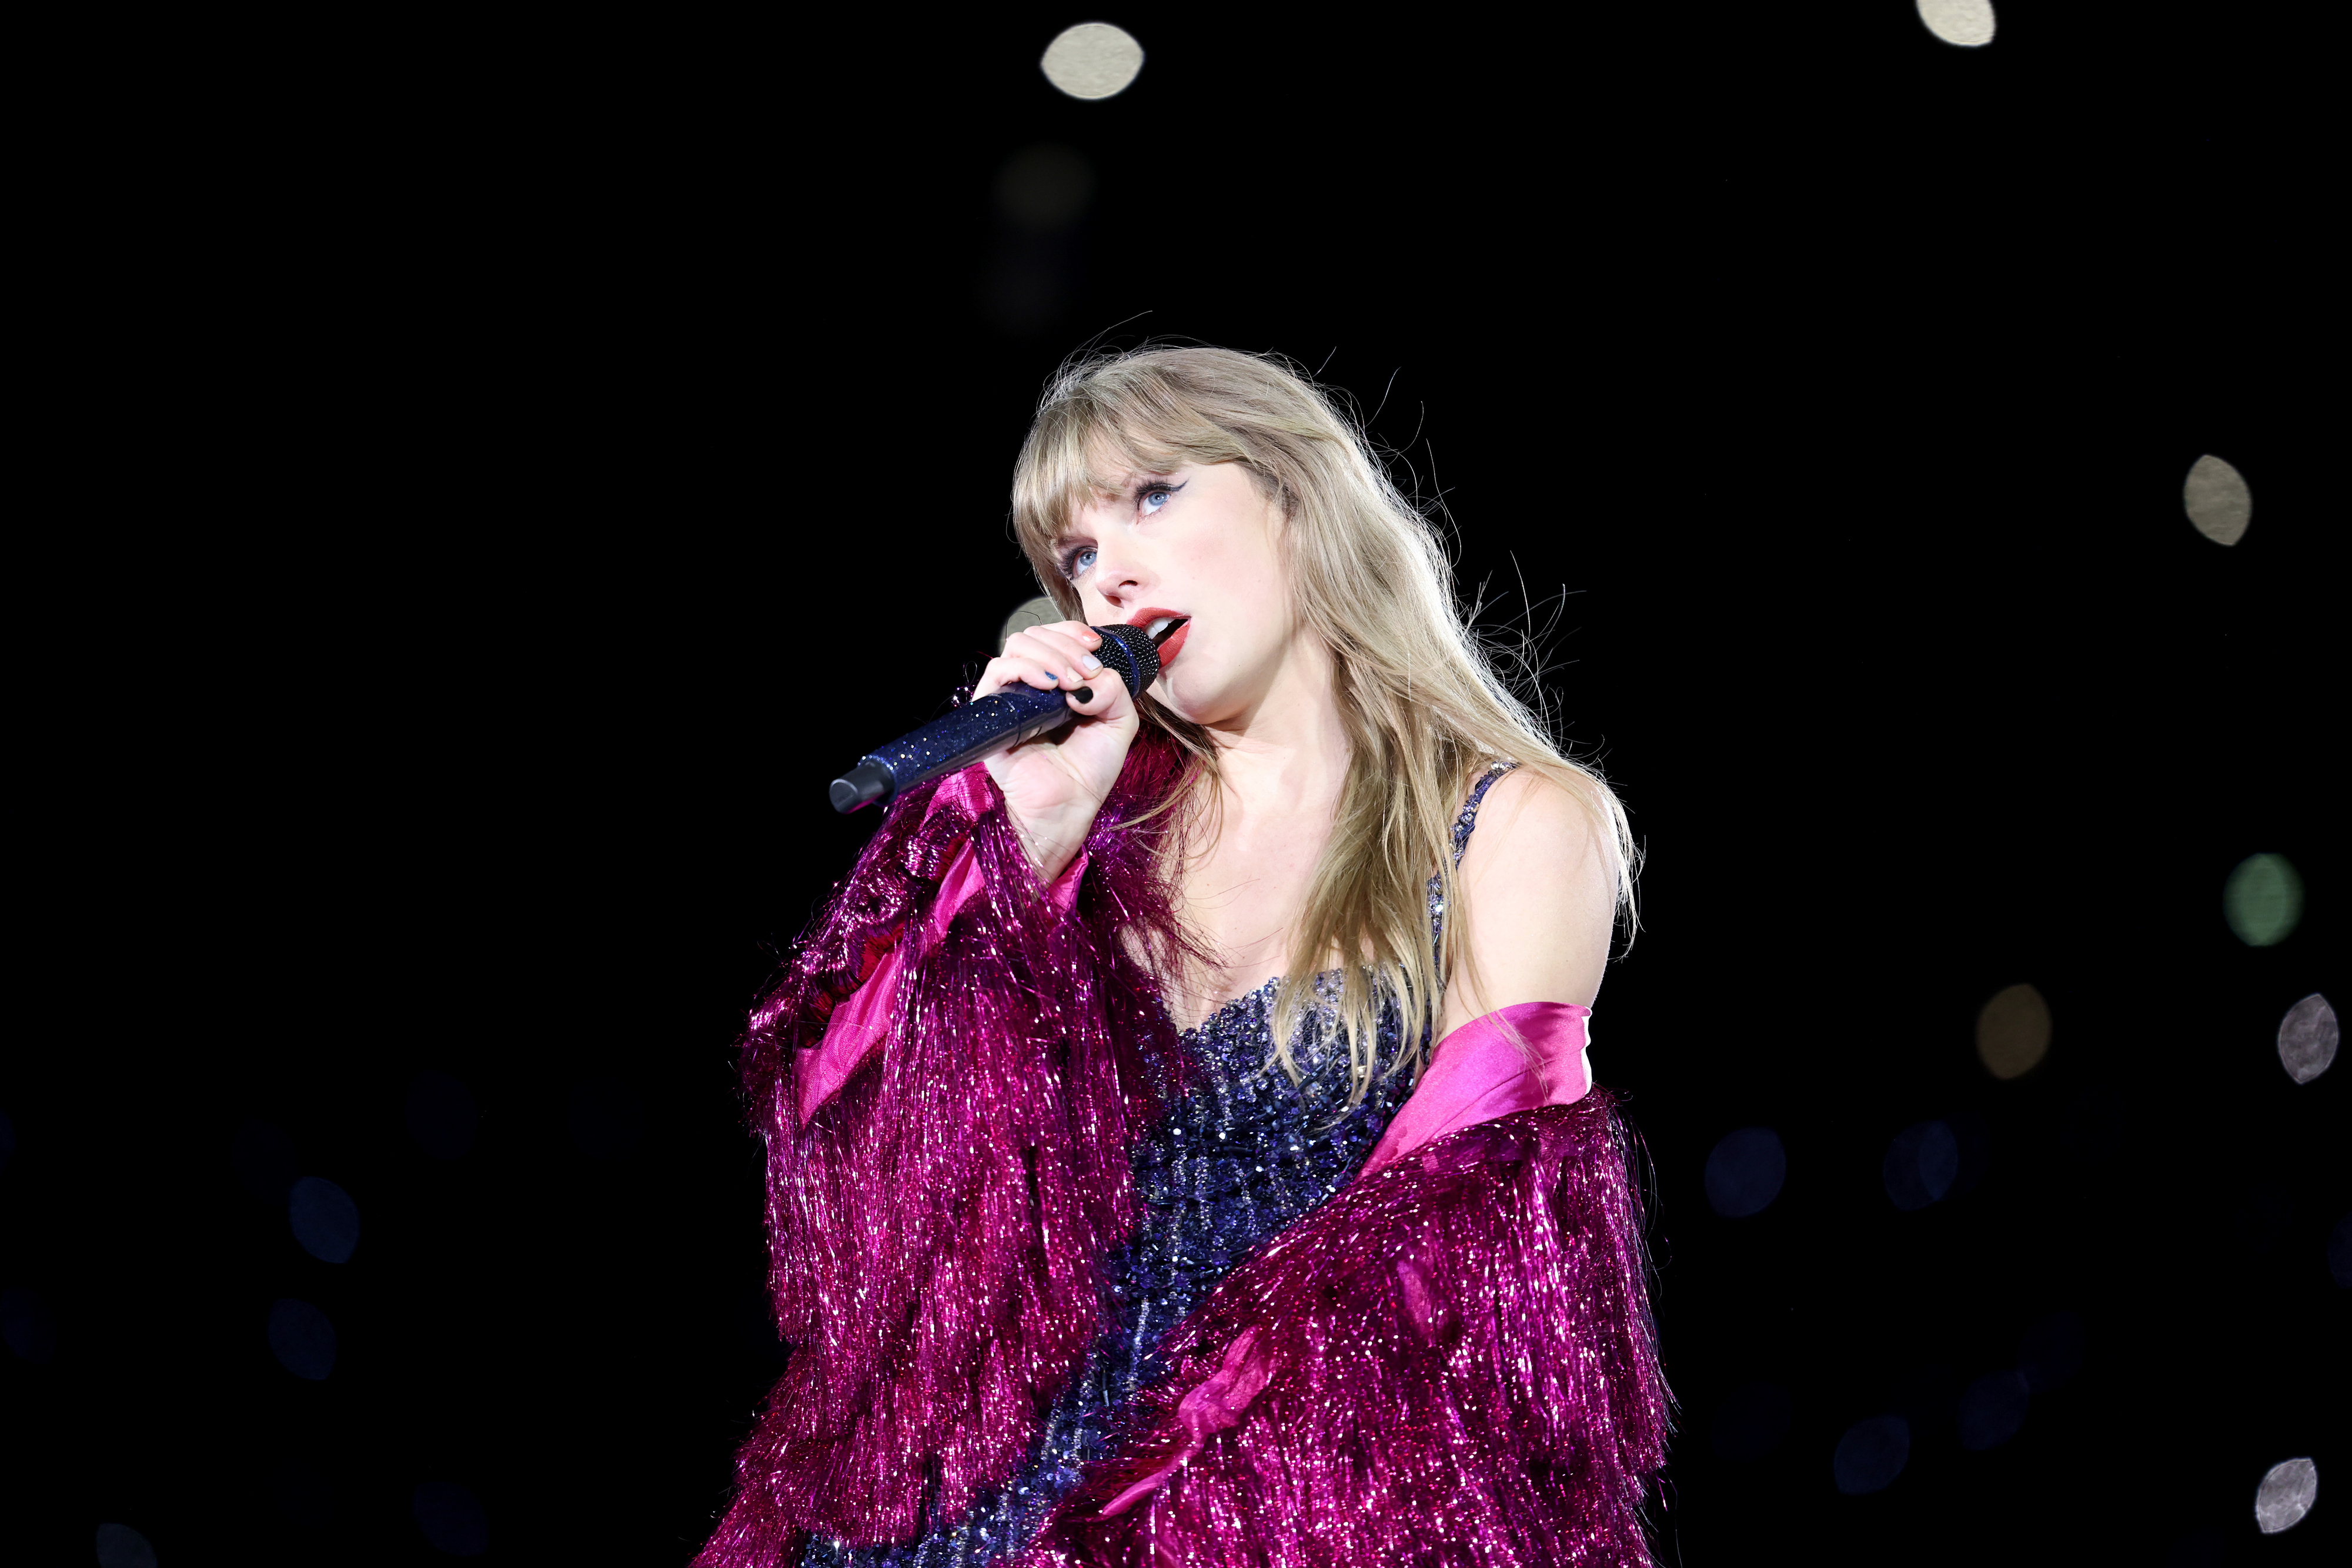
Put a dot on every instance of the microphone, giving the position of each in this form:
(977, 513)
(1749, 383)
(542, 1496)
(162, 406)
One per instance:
(996, 721)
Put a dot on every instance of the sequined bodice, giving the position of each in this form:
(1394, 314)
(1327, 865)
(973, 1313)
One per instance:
(1237, 1155)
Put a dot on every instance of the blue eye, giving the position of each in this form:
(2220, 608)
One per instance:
(1075, 563)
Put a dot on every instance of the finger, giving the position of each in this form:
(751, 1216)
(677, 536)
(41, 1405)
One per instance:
(1068, 645)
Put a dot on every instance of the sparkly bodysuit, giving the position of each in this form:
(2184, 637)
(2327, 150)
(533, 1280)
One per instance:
(1232, 1161)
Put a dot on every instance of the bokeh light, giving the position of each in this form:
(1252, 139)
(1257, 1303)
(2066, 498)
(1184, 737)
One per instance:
(605, 1120)
(1744, 1172)
(442, 1115)
(451, 1518)
(325, 1219)
(1968, 23)
(1922, 1162)
(1752, 1420)
(302, 1339)
(1032, 613)
(1092, 61)
(1871, 1454)
(2013, 1031)
(27, 1326)
(2218, 501)
(2052, 1353)
(265, 1160)
(119, 1546)
(2262, 900)
(2307, 1039)
(1992, 1409)
(2286, 1494)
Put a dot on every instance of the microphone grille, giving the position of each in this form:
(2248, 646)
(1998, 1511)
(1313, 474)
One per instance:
(1129, 651)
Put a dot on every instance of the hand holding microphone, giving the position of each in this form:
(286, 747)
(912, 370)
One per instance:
(1046, 676)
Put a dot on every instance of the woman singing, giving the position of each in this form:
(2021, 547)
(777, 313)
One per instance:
(1094, 1243)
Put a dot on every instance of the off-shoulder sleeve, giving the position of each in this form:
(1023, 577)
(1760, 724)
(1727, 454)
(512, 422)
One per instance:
(1451, 1362)
(936, 1220)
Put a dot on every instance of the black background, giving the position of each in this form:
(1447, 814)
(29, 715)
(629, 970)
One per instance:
(480, 483)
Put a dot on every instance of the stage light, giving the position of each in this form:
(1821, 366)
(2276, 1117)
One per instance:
(2218, 501)
(1992, 1410)
(2307, 1037)
(1751, 1421)
(2286, 1494)
(1031, 612)
(302, 1339)
(1968, 23)
(1044, 187)
(1092, 61)
(1744, 1172)
(119, 1546)
(1871, 1454)
(1922, 1162)
(451, 1518)
(2262, 900)
(27, 1326)
(2052, 1351)
(442, 1115)
(325, 1219)
(2013, 1031)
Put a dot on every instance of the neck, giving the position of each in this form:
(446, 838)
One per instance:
(1288, 750)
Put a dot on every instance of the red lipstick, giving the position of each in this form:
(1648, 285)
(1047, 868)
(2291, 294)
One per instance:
(1171, 640)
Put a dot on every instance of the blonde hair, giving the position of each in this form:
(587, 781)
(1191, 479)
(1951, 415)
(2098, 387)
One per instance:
(1421, 695)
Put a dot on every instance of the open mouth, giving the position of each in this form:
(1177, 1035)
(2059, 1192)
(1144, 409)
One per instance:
(1167, 628)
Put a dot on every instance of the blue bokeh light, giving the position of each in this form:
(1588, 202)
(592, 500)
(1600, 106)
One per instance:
(1922, 1162)
(302, 1339)
(325, 1219)
(442, 1115)
(27, 1326)
(119, 1546)
(452, 1519)
(1745, 1172)
(1992, 1410)
(1871, 1454)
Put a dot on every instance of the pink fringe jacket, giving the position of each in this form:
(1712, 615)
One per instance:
(1450, 1361)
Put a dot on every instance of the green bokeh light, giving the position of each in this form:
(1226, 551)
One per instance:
(2262, 900)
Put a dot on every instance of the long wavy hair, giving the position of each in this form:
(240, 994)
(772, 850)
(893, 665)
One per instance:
(1423, 696)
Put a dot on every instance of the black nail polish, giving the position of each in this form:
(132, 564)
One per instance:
(1084, 694)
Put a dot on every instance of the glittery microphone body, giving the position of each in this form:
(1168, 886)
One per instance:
(1066, 1287)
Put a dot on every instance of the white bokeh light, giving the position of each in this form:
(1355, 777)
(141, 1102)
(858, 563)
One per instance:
(1093, 59)
(1968, 23)
(2218, 501)
(2285, 1495)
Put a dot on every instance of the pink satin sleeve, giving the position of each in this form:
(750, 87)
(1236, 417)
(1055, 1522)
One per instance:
(859, 1021)
(1480, 1072)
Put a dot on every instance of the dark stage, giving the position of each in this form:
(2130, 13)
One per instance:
(495, 477)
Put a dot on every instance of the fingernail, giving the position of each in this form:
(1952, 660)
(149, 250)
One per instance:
(1084, 694)
(1091, 665)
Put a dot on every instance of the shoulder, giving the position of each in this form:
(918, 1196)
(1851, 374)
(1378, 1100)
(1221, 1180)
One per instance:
(1532, 826)
(1536, 895)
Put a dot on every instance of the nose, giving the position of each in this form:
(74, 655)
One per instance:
(1120, 574)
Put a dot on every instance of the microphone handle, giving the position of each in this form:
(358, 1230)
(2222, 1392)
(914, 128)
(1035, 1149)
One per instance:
(1003, 720)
